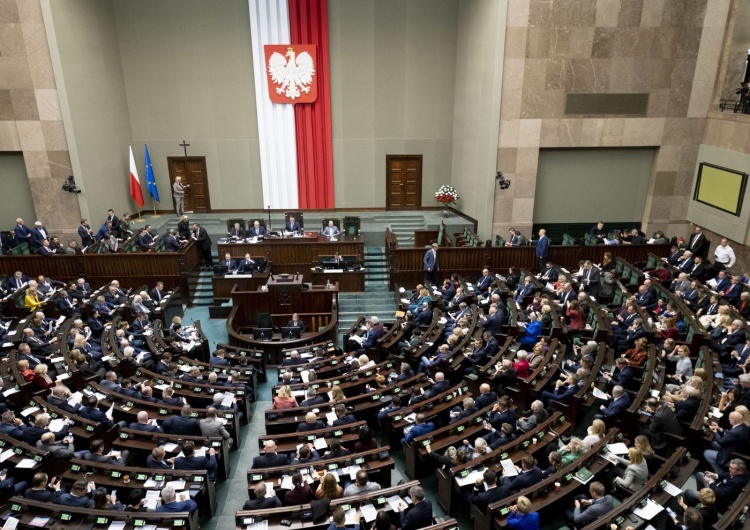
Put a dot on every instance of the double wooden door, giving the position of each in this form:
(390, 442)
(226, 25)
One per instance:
(192, 169)
(403, 182)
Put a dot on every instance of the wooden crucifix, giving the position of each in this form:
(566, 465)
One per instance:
(185, 145)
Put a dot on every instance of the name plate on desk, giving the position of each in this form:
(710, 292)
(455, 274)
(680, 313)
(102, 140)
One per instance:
(238, 275)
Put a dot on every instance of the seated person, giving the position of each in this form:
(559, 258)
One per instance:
(590, 509)
(170, 503)
(261, 501)
(228, 264)
(237, 232)
(617, 407)
(726, 486)
(112, 457)
(311, 423)
(246, 264)
(292, 225)
(191, 462)
(257, 230)
(330, 230)
(295, 322)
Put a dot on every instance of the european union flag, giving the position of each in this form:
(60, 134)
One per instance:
(150, 180)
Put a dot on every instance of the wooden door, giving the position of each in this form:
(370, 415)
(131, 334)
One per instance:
(192, 169)
(404, 182)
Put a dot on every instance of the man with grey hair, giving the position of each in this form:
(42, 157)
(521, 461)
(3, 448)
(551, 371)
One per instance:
(726, 442)
(312, 398)
(531, 418)
(468, 409)
(726, 485)
(419, 515)
(688, 407)
(170, 504)
(617, 407)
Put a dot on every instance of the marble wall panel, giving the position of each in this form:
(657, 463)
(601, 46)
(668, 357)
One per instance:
(24, 104)
(8, 11)
(6, 106)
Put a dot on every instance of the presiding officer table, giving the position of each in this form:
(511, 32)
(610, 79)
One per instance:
(298, 254)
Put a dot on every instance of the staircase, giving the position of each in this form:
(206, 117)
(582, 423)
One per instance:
(200, 286)
(377, 300)
(402, 225)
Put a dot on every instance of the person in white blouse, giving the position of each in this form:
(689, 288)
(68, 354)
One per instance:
(594, 434)
(724, 257)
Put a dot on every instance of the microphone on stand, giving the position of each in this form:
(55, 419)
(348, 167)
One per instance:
(269, 218)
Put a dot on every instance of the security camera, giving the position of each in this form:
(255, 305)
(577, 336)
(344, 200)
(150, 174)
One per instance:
(502, 181)
(70, 185)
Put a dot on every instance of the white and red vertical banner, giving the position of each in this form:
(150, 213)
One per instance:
(269, 24)
(293, 78)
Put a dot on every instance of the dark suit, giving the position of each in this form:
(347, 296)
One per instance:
(438, 387)
(431, 266)
(261, 231)
(270, 460)
(304, 427)
(493, 323)
(262, 503)
(195, 463)
(62, 405)
(485, 400)
(94, 414)
(204, 245)
(542, 252)
(172, 244)
(734, 441)
(617, 407)
(87, 239)
(237, 232)
(509, 416)
(481, 499)
(417, 516)
(663, 422)
(289, 227)
(686, 409)
(698, 245)
(181, 425)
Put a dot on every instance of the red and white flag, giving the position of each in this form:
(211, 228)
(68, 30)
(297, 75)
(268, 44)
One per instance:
(135, 183)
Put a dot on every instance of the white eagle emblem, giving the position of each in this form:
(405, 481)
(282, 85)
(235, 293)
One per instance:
(294, 75)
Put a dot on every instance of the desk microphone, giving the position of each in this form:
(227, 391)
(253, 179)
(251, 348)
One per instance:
(296, 274)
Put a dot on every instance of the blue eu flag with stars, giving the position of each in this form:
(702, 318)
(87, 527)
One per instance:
(150, 180)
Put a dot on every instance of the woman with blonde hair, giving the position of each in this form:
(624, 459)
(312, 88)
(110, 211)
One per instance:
(696, 382)
(521, 516)
(480, 448)
(649, 455)
(31, 299)
(337, 394)
(635, 474)
(637, 355)
(284, 399)
(41, 379)
(365, 362)
(745, 412)
(329, 488)
(573, 451)
(595, 433)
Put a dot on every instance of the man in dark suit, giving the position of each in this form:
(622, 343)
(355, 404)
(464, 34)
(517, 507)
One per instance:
(190, 462)
(78, 496)
(116, 458)
(486, 396)
(15, 282)
(65, 304)
(114, 221)
(645, 298)
(732, 440)
(726, 485)
(183, 424)
(563, 391)
(688, 407)
(467, 409)
(617, 407)
(292, 225)
(218, 358)
(542, 249)
(494, 321)
(105, 229)
(172, 243)
(269, 457)
(257, 230)
(261, 502)
(699, 268)
(502, 413)
(85, 233)
(419, 515)
(530, 474)
(698, 244)
(590, 279)
(549, 274)
(311, 423)
(342, 416)
(483, 283)
(481, 497)
(312, 398)
(663, 421)
(439, 384)
(22, 232)
(247, 264)
(59, 398)
(91, 412)
(621, 376)
(144, 424)
(431, 265)
(371, 338)
(12, 426)
(237, 232)
(200, 236)
(229, 264)
(158, 293)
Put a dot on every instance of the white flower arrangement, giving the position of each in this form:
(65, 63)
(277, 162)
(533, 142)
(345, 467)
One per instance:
(446, 195)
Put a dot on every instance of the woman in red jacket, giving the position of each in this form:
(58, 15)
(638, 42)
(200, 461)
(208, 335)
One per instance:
(669, 330)
(41, 379)
(638, 355)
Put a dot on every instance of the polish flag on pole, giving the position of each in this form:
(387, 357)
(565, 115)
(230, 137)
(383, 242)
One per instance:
(135, 182)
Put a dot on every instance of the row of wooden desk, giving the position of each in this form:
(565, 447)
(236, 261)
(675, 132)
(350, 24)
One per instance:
(347, 282)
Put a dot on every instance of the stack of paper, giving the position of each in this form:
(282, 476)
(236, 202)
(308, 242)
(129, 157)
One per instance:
(618, 448)
(270, 492)
(649, 511)
(368, 512)
(509, 470)
(471, 478)
(152, 499)
(394, 501)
